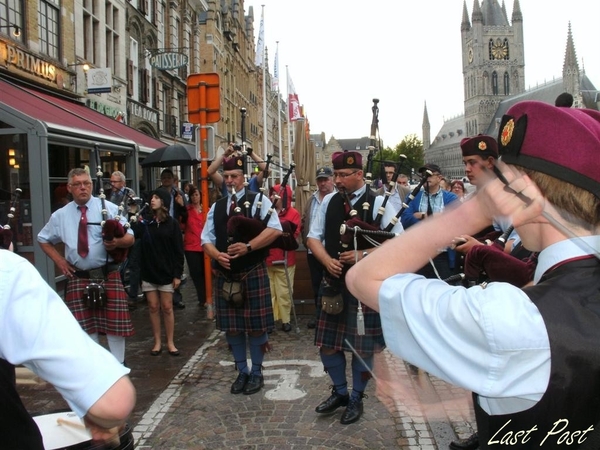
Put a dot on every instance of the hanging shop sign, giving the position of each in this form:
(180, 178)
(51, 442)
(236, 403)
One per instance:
(168, 60)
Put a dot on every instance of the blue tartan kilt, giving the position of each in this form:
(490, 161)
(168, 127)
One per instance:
(333, 330)
(257, 312)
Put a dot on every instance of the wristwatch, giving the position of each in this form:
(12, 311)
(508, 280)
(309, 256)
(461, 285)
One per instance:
(248, 247)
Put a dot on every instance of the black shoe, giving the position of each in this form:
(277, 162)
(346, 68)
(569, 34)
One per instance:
(179, 305)
(312, 324)
(240, 383)
(254, 384)
(286, 327)
(332, 403)
(471, 443)
(353, 411)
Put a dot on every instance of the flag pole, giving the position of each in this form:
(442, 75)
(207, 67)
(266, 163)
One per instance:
(279, 113)
(290, 125)
(264, 87)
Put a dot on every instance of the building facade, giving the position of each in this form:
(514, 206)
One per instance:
(493, 55)
(80, 78)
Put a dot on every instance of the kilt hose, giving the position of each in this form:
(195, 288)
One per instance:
(113, 319)
(333, 330)
(257, 312)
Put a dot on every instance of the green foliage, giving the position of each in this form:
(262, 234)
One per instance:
(410, 146)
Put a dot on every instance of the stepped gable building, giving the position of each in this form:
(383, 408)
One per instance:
(494, 79)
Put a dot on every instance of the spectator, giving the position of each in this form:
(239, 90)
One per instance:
(162, 267)
(324, 186)
(429, 201)
(283, 251)
(192, 245)
(178, 211)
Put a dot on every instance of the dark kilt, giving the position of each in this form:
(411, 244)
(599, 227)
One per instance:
(332, 330)
(113, 319)
(257, 313)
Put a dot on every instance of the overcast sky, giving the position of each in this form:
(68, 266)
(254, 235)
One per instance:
(340, 54)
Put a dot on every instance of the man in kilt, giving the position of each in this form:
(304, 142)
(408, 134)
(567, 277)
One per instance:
(336, 333)
(238, 245)
(83, 264)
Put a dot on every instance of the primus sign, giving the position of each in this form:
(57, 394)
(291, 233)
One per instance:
(168, 60)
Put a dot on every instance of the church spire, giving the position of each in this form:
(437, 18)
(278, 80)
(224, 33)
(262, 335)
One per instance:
(517, 15)
(571, 74)
(466, 24)
(426, 127)
(477, 14)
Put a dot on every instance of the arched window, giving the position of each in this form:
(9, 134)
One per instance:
(494, 83)
(506, 84)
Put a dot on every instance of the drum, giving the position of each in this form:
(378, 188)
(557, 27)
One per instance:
(58, 436)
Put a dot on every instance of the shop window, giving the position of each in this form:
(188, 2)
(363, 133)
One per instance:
(15, 190)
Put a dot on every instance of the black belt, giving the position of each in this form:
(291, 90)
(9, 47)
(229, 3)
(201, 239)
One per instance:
(97, 273)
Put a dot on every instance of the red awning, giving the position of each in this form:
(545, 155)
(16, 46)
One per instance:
(61, 114)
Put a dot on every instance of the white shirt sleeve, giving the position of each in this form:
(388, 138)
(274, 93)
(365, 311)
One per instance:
(491, 341)
(38, 330)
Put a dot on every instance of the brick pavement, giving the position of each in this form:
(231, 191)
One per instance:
(184, 402)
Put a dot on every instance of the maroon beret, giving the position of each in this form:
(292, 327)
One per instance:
(346, 160)
(561, 142)
(233, 163)
(480, 145)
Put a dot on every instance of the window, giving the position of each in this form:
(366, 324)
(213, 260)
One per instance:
(91, 28)
(506, 84)
(112, 38)
(48, 14)
(132, 70)
(11, 12)
(494, 83)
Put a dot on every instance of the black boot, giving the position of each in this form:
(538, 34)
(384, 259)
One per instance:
(471, 443)
(353, 411)
(240, 383)
(254, 384)
(332, 403)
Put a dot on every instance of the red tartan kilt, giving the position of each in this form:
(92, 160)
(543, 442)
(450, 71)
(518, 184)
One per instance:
(112, 319)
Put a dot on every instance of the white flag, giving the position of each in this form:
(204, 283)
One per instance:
(275, 81)
(260, 45)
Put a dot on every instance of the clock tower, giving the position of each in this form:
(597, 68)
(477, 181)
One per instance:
(493, 60)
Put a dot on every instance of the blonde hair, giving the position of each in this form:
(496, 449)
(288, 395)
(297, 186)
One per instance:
(574, 204)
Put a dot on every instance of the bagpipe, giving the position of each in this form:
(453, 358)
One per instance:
(286, 241)
(111, 228)
(241, 225)
(6, 233)
(357, 229)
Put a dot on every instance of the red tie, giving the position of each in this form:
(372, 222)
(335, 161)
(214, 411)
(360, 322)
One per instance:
(82, 235)
(348, 205)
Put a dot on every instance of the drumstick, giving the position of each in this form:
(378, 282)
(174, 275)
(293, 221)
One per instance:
(70, 423)
(115, 440)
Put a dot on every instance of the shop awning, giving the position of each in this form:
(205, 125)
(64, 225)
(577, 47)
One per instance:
(65, 116)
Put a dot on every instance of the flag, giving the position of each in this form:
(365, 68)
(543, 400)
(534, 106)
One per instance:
(260, 45)
(294, 111)
(275, 81)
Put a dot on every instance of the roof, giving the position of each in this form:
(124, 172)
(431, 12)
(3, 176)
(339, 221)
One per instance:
(64, 116)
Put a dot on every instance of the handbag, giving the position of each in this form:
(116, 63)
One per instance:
(233, 292)
(332, 301)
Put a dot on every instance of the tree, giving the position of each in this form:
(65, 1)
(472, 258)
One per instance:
(411, 147)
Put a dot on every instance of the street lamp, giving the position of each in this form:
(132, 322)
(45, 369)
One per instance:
(16, 29)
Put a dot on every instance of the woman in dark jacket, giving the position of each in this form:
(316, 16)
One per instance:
(162, 267)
